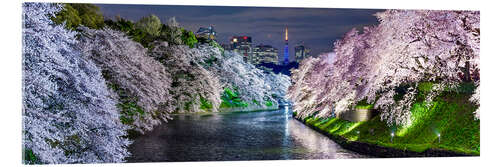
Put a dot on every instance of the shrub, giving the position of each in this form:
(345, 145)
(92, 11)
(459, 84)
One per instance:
(205, 104)
(230, 98)
(188, 38)
(150, 24)
(79, 14)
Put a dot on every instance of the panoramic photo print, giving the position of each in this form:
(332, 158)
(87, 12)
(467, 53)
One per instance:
(122, 83)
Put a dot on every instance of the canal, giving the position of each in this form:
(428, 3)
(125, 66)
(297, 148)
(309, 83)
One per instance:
(230, 136)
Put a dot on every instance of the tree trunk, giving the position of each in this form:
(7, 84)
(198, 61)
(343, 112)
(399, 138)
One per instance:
(467, 72)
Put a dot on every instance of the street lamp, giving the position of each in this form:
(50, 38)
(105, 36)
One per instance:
(439, 137)
(392, 136)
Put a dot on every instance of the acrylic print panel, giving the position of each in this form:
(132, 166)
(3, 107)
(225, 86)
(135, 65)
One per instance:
(112, 83)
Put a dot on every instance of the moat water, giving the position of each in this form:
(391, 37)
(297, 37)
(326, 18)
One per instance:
(232, 136)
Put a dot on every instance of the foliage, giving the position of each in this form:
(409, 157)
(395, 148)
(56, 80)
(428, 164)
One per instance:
(215, 44)
(230, 94)
(190, 80)
(76, 14)
(449, 116)
(252, 83)
(363, 105)
(475, 99)
(150, 24)
(150, 29)
(382, 64)
(230, 98)
(206, 71)
(125, 26)
(129, 112)
(136, 78)
(172, 32)
(131, 30)
(256, 102)
(188, 38)
(29, 157)
(78, 94)
(69, 16)
(269, 103)
(205, 104)
(68, 115)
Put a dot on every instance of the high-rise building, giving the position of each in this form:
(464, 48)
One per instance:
(285, 52)
(301, 52)
(264, 54)
(242, 45)
(207, 33)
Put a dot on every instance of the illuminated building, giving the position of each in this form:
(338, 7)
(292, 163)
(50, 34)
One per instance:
(264, 54)
(301, 52)
(242, 45)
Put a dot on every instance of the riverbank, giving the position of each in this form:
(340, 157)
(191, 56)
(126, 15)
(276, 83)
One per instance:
(382, 151)
(445, 128)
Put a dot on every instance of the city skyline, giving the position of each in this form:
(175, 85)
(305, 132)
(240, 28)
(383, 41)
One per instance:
(317, 28)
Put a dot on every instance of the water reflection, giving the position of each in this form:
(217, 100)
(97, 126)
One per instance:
(318, 144)
(286, 137)
(270, 135)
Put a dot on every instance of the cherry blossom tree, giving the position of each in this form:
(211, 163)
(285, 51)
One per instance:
(68, 113)
(434, 46)
(79, 92)
(406, 48)
(252, 83)
(279, 84)
(135, 77)
(192, 84)
(203, 72)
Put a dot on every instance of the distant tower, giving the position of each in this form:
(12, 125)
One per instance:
(285, 53)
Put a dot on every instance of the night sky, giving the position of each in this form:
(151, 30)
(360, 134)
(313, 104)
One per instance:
(318, 28)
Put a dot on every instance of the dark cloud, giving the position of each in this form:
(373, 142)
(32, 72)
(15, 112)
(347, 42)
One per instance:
(318, 28)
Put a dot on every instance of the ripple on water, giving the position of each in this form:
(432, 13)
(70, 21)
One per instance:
(269, 135)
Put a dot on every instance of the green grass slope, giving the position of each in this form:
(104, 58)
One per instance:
(450, 115)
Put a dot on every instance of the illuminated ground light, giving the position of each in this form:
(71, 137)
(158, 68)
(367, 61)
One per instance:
(439, 137)
(392, 135)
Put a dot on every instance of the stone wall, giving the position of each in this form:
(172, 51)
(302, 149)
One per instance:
(357, 115)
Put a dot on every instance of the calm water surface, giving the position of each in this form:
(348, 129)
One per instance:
(269, 135)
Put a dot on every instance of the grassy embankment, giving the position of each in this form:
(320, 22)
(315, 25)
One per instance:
(450, 115)
(231, 101)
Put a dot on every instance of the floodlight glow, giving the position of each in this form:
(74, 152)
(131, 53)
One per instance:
(392, 136)
(439, 137)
